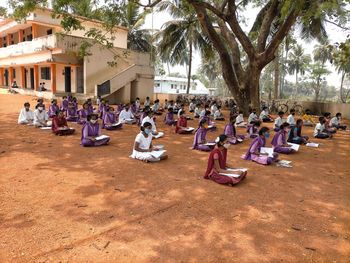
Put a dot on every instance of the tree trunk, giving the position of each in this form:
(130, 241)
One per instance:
(341, 87)
(189, 68)
(296, 84)
(277, 76)
(317, 91)
(168, 66)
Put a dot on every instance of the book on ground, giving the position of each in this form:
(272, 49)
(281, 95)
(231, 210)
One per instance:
(312, 144)
(231, 175)
(210, 144)
(101, 137)
(189, 129)
(237, 169)
(267, 150)
(294, 146)
(45, 128)
(157, 154)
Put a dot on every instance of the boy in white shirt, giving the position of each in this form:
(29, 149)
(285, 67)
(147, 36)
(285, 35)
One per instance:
(290, 118)
(218, 115)
(26, 116)
(126, 115)
(264, 115)
(335, 122)
(278, 121)
(240, 120)
(320, 129)
(197, 111)
(41, 119)
(253, 117)
(149, 118)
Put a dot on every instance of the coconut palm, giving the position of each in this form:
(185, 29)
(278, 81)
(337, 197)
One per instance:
(178, 38)
(298, 63)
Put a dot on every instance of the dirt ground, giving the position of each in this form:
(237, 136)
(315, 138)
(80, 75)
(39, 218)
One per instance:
(60, 202)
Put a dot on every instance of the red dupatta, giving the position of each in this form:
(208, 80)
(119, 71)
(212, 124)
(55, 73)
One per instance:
(222, 160)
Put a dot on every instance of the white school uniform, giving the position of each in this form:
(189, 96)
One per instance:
(319, 129)
(263, 115)
(278, 122)
(252, 117)
(40, 117)
(334, 122)
(197, 111)
(25, 116)
(217, 114)
(290, 119)
(151, 121)
(144, 144)
(147, 103)
(125, 115)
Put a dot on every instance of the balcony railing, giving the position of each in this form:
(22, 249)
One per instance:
(63, 42)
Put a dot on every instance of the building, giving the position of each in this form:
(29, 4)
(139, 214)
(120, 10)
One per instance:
(38, 50)
(174, 85)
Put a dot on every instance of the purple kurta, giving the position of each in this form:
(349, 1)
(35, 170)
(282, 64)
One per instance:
(110, 119)
(72, 114)
(169, 119)
(82, 116)
(199, 137)
(278, 140)
(252, 131)
(254, 147)
(209, 121)
(64, 105)
(91, 130)
(230, 132)
(52, 110)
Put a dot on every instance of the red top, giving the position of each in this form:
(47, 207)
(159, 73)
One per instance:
(219, 155)
(58, 122)
(181, 122)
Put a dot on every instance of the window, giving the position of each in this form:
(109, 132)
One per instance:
(49, 32)
(172, 86)
(14, 73)
(45, 73)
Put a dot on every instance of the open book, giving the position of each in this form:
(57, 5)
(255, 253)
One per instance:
(239, 140)
(157, 154)
(210, 144)
(211, 126)
(312, 144)
(116, 124)
(189, 129)
(160, 134)
(45, 128)
(101, 137)
(294, 146)
(234, 170)
(267, 150)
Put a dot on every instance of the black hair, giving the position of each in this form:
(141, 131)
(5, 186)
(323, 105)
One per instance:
(338, 114)
(233, 118)
(307, 110)
(280, 113)
(222, 138)
(263, 130)
(64, 97)
(284, 125)
(170, 109)
(145, 125)
(240, 112)
(89, 117)
(292, 110)
(321, 119)
(202, 122)
(207, 113)
(257, 123)
(27, 104)
(181, 112)
(299, 121)
(110, 108)
(219, 107)
(326, 114)
(264, 108)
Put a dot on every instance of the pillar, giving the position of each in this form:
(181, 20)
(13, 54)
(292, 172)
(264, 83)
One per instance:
(20, 36)
(10, 76)
(34, 30)
(53, 77)
(8, 39)
(2, 78)
(0, 42)
(22, 78)
(36, 77)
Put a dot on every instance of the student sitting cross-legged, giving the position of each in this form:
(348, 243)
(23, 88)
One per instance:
(91, 132)
(126, 116)
(217, 169)
(264, 115)
(110, 121)
(230, 132)
(253, 152)
(320, 131)
(335, 122)
(200, 142)
(307, 118)
(26, 116)
(253, 129)
(169, 117)
(143, 145)
(181, 125)
(41, 119)
(149, 118)
(59, 124)
(295, 135)
(278, 121)
(53, 109)
(279, 141)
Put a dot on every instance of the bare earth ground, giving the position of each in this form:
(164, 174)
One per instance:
(60, 202)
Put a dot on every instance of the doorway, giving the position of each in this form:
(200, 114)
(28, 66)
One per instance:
(31, 78)
(67, 79)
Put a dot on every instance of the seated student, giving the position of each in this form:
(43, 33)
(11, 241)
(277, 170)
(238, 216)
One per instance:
(149, 118)
(64, 104)
(171, 105)
(144, 114)
(138, 104)
(204, 111)
(218, 116)
(217, 166)
(278, 121)
(126, 116)
(90, 106)
(279, 141)
(147, 102)
(253, 152)
(192, 106)
(59, 124)
(253, 129)
(26, 116)
(199, 142)
(290, 118)
(40, 101)
(166, 104)
(213, 108)
(156, 108)
(320, 129)
(307, 119)
(101, 107)
(240, 120)
(14, 85)
(211, 124)
(169, 118)
(197, 111)
(295, 134)
(329, 128)
(135, 111)
(53, 109)
(181, 125)
(72, 114)
(230, 132)
(143, 145)
(253, 117)
(41, 119)
(264, 115)
(90, 131)
(335, 122)
(83, 113)
(110, 121)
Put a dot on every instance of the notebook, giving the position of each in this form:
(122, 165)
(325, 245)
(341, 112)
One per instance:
(267, 150)
(101, 137)
(231, 175)
(189, 129)
(312, 144)
(157, 154)
(210, 144)
(294, 146)
(45, 128)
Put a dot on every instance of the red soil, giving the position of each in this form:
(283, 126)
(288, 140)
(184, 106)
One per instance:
(60, 202)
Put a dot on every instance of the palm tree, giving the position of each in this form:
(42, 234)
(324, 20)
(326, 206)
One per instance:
(297, 63)
(318, 71)
(178, 38)
(341, 61)
(323, 53)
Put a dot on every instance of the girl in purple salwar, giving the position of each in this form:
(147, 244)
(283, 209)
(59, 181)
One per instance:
(253, 152)
(211, 124)
(53, 109)
(90, 131)
(110, 121)
(230, 132)
(64, 105)
(279, 141)
(83, 113)
(252, 129)
(199, 142)
(72, 114)
(169, 118)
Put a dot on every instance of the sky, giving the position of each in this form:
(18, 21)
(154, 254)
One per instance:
(335, 35)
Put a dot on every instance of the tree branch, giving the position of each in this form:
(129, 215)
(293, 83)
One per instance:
(209, 7)
(340, 26)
